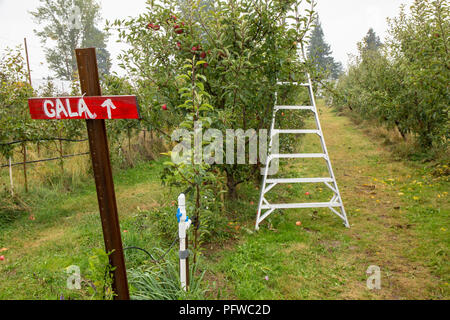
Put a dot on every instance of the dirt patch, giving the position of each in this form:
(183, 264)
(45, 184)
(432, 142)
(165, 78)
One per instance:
(49, 235)
(296, 247)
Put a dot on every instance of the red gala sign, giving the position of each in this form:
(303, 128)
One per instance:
(102, 107)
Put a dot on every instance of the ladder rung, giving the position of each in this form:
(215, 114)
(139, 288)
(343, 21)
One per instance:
(284, 83)
(299, 180)
(296, 131)
(297, 156)
(301, 205)
(294, 108)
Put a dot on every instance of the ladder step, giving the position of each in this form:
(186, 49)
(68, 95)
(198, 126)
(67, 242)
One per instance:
(301, 205)
(284, 83)
(297, 156)
(294, 108)
(295, 131)
(299, 180)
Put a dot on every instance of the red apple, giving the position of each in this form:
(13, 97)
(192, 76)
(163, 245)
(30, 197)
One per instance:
(194, 48)
(298, 223)
(307, 193)
(156, 27)
(179, 45)
(203, 55)
(178, 30)
(150, 26)
(2, 258)
(205, 65)
(164, 107)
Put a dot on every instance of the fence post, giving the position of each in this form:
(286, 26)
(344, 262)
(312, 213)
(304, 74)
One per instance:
(11, 177)
(24, 151)
(183, 224)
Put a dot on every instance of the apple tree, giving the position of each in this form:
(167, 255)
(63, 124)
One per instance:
(247, 44)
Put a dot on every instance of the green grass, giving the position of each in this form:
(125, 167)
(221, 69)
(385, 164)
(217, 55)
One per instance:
(398, 211)
(65, 229)
(399, 218)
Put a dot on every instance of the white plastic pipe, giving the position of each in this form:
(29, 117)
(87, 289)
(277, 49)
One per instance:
(183, 225)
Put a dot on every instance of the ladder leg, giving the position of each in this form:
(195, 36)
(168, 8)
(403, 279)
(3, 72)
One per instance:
(325, 151)
(261, 197)
(266, 169)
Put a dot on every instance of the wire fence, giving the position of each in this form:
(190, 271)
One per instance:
(44, 160)
(10, 143)
(60, 157)
(41, 140)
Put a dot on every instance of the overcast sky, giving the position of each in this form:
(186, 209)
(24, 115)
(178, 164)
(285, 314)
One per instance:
(345, 22)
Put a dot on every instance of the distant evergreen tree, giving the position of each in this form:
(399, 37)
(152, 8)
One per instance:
(371, 41)
(320, 53)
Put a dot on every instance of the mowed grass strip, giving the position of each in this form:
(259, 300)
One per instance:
(399, 216)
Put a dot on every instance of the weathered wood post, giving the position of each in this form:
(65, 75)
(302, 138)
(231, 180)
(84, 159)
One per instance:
(11, 177)
(98, 143)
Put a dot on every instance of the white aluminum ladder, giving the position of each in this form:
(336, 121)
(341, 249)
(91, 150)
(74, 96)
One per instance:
(335, 203)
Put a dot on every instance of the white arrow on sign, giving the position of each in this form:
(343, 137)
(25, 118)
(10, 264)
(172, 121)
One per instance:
(110, 105)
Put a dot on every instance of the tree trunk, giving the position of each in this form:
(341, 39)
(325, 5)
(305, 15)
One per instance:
(397, 124)
(231, 186)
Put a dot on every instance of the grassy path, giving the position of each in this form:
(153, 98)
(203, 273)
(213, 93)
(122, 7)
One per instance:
(399, 218)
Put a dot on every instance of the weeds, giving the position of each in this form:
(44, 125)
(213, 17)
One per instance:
(162, 282)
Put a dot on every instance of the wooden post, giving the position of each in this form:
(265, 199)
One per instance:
(28, 61)
(98, 143)
(11, 177)
(61, 155)
(24, 151)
